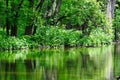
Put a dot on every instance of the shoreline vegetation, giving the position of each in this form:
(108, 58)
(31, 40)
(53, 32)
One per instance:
(58, 23)
(55, 38)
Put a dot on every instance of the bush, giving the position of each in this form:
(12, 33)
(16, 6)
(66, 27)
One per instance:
(54, 36)
(97, 37)
(13, 43)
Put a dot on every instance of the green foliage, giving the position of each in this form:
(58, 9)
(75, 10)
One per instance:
(12, 43)
(54, 36)
(29, 41)
(116, 21)
(85, 13)
(85, 19)
(96, 38)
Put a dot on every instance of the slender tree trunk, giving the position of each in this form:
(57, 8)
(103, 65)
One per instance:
(110, 14)
(110, 10)
(7, 21)
(115, 34)
(34, 31)
(57, 11)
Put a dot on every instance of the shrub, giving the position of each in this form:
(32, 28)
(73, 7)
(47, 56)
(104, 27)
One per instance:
(54, 36)
(97, 37)
(13, 43)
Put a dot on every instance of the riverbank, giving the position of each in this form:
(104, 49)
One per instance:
(53, 37)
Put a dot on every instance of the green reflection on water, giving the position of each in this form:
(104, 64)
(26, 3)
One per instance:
(58, 64)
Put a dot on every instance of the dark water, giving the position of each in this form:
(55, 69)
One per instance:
(61, 64)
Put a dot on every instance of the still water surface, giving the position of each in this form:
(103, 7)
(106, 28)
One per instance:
(101, 63)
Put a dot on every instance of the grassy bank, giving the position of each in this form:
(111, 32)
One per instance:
(55, 37)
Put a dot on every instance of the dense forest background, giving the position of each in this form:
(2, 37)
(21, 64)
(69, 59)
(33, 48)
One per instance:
(56, 23)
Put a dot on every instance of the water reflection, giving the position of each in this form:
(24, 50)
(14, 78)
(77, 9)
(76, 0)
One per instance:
(117, 60)
(59, 64)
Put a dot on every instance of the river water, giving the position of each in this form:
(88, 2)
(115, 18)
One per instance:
(101, 63)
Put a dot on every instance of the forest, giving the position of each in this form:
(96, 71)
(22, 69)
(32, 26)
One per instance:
(58, 23)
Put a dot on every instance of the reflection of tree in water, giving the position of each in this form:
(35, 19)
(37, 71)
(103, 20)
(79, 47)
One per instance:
(72, 64)
(30, 65)
(84, 60)
(116, 60)
(50, 74)
(88, 66)
(10, 69)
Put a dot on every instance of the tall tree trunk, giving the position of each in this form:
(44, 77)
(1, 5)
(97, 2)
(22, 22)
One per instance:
(14, 30)
(7, 21)
(54, 8)
(52, 12)
(57, 11)
(110, 10)
(14, 26)
(29, 28)
(110, 14)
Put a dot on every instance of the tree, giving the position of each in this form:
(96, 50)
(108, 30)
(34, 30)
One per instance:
(15, 9)
(116, 21)
(110, 9)
(7, 19)
(28, 29)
